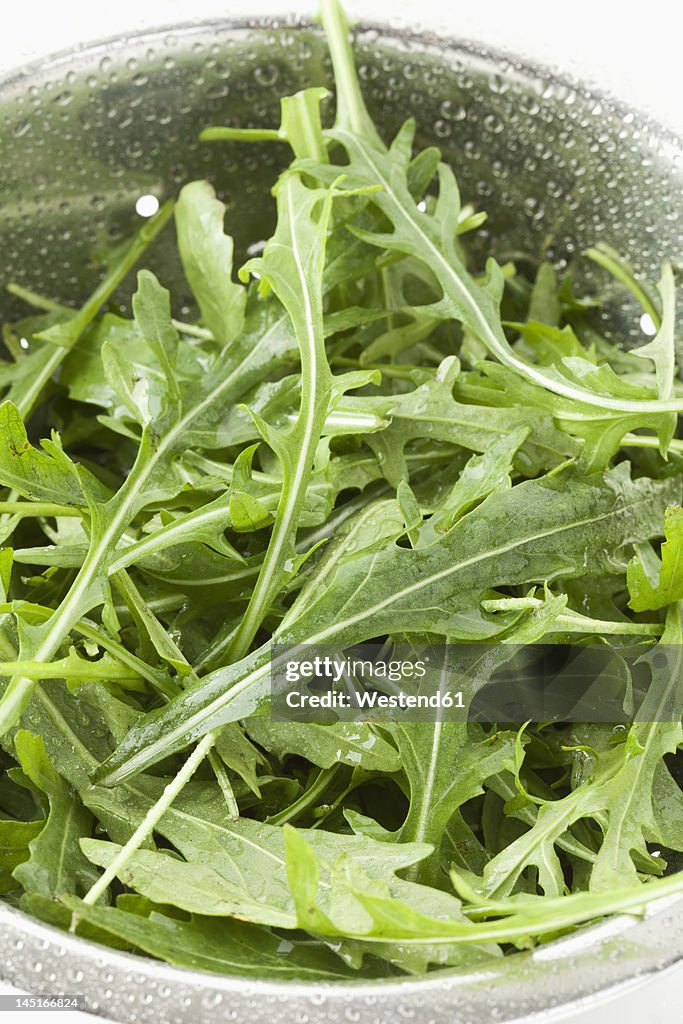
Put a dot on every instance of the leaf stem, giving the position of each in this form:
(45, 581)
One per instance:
(193, 330)
(168, 649)
(351, 110)
(148, 823)
(26, 396)
(221, 133)
(39, 508)
(545, 916)
(159, 680)
(113, 523)
(63, 670)
(307, 799)
(421, 235)
(302, 297)
(37, 301)
(650, 441)
(610, 261)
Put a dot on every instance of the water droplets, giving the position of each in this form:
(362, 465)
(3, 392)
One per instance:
(529, 104)
(368, 72)
(453, 111)
(493, 124)
(499, 84)
(266, 75)
(212, 1000)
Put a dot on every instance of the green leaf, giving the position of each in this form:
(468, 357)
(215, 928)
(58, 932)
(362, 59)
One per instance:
(237, 949)
(431, 411)
(430, 237)
(151, 479)
(429, 751)
(481, 475)
(15, 840)
(647, 593)
(544, 305)
(375, 915)
(662, 349)
(602, 431)
(539, 530)
(340, 899)
(38, 475)
(381, 438)
(206, 524)
(292, 266)
(353, 743)
(617, 790)
(152, 310)
(207, 255)
(240, 754)
(248, 513)
(55, 864)
(236, 868)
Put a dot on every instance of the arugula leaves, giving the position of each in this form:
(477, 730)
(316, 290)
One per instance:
(55, 865)
(346, 442)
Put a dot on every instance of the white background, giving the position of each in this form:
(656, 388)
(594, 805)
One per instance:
(631, 49)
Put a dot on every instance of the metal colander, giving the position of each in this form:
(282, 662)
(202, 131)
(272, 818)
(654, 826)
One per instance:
(85, 134)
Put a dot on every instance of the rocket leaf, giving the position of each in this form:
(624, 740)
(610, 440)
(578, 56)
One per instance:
(365, 434)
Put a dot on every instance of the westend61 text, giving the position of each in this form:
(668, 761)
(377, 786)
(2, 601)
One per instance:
(369, 699)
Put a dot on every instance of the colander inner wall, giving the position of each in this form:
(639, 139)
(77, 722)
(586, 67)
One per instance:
(83, 137)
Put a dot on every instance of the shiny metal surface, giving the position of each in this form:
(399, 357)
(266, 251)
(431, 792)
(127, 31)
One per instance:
(541, 986)
(84, 134)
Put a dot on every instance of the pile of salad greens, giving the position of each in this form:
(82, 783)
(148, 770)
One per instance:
(359, 436)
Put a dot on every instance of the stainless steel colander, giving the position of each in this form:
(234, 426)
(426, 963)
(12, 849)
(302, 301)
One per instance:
(85, 134)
